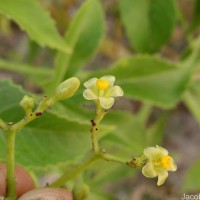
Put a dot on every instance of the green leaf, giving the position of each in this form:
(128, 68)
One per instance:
(121, 138)
(83, 37)
(38, 147)
(196, 15)
(192, 178)
(149, 78)
(148, 24)
(191, 97)
(10, 96)
(191, 56)
(192, 100)
(112, 173)
(35, 20)
(48, 140)
(37, 74)
(155, 132)
(128, 136)
(100, 196)
(54, 138)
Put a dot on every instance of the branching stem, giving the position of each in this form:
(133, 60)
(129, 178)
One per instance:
(10, 133)
(83, 166)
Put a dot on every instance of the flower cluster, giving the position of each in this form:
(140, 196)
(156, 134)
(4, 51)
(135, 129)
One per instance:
(154, 161)
(158, 163)
(102, 91)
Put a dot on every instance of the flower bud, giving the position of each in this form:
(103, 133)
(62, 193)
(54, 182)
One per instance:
(80, 191)
(67, 89)
(27, 103)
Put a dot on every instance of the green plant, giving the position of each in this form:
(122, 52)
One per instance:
(147, 76)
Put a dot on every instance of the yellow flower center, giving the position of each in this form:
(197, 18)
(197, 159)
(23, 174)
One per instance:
(166, 162)
(102, 84)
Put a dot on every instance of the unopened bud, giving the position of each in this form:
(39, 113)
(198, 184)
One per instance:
(27, 103)
(67, 89)
(81, 191)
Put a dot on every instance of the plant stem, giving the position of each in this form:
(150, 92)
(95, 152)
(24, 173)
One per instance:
(3, 125)
(10, 133)
(80, 168)
(109, 157)
(10, 164)
(100, 112)
(70, 175)
(95, 142)
(43, 105)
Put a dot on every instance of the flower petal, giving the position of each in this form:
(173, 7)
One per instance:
(151, 152)
(162, 176)
(109, 78)
(90, 83)
(89, 94)
(163, 151)
(173, 165)
(116, 91)
(148, 170)
(106, 102)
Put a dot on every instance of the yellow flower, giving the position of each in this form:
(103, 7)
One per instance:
(158, 163)
(102, 89)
